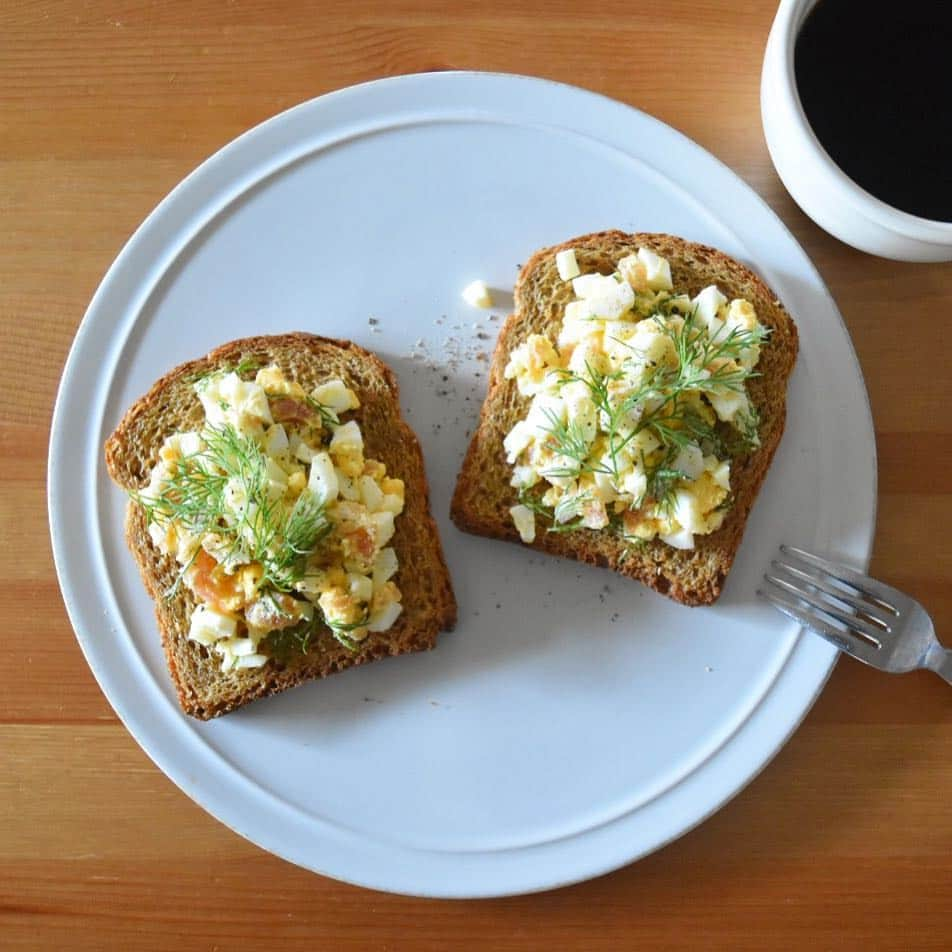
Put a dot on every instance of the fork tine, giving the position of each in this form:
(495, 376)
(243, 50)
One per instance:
(847, 598)
(873, 591)
(851, 643)
(855, 603)
(821, 604)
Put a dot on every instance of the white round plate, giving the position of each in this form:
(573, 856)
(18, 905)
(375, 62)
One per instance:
(573, 721)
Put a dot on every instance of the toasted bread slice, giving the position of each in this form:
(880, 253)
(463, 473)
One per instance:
(483, 494)
(429, 605)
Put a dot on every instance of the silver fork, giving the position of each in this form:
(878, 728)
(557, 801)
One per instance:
(873, 622)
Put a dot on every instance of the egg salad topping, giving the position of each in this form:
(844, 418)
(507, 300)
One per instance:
(278, 521)
(638, 406)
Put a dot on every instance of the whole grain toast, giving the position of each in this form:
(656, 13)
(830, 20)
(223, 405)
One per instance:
(483, 495)
(429, 605)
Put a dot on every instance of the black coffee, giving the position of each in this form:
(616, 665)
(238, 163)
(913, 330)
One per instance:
(875, 80)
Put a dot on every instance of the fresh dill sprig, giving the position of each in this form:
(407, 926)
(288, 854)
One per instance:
(616, 415)
(568, 439)
(726, 504)
(631, 543)
(739, 441)
(244, 366)
(567, 514)
(533, 503)
(341, 630)
(571, 506)
(192, 497)
(283, 643)
(666, 402)
(697, 351)
(260, 529)
(661, 479)
(172, 590)
(683, 426)
(329, 417)
(303, 528)
(247, 364)
(672, 419)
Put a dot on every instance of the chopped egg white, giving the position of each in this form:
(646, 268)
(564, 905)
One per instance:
(708, 304)
(728, 406)
(360, 586)
(678, 538)
(517, 439)
(349, 435)
(690, 461)
(208, 626)
(230, 401)
(576, 312)
(614, 302)
(589, 286)
(371, 495)
(382, 522)
(385, 567)
(566, 264)
(524, 520)
(323, 478)
(657, 270)
(477, 294)
(383, 618)
(275, 440)
(335, 396)
(633, 270)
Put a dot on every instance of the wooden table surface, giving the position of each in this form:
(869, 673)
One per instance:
(844, 841)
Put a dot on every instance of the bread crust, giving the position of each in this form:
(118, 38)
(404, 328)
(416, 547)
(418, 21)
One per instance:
(483, 496)
(423, 578)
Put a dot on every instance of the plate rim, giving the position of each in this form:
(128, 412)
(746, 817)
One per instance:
(55, 467)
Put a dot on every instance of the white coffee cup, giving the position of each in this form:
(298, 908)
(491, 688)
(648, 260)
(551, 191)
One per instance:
(818, 185)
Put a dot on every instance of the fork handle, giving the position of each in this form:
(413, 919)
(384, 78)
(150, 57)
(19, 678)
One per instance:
(939, 659)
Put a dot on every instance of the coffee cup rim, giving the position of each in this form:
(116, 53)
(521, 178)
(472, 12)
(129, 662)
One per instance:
(792, 14)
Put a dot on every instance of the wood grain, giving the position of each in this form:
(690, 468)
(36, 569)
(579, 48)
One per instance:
(844, 842)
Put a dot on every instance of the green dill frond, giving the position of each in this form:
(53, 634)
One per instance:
(532, 502)
(244, 366)
(248, 364)
(340, 630)
(172, 590)
(726, 504)
(614, 415)
(284, 643)
(633, 544)
(568, 441)
(595, 380)
(661, 479)
(192, 497)
(549, 514)
(262, 530)
(683, 427)
(307, 524)
(697, 350)
(304, 527)
(670, 402)
(344, 626)
(329, 417)
(569, 508)
(745, 438)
